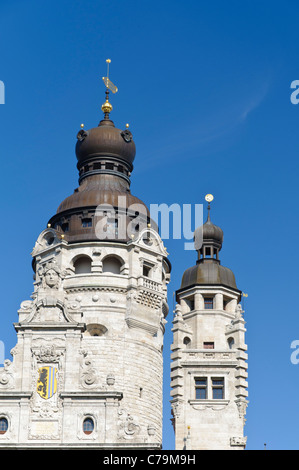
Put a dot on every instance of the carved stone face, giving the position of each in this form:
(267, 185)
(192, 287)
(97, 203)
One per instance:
(51, 278)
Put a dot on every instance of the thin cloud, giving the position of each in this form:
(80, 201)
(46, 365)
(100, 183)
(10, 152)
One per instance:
(222, 123)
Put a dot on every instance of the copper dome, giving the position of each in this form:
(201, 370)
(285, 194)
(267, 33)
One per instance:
(208, 273)
(105, 141)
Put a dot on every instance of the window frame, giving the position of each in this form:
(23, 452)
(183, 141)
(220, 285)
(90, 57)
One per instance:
(3, 419)
(209, 387)
(89, 420)
(201, 387)
(208, 345)
(86, 222)
(216, 387)
(208, 303)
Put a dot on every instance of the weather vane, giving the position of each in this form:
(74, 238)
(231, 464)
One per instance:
(109, 85)
(107, 107)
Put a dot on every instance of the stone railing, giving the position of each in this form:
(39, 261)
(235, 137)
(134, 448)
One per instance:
(150, 284)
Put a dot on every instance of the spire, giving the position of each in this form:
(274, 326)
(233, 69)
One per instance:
(209, 198)
(208, 238)
(107, 106)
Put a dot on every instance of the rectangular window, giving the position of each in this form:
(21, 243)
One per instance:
(208, 345)
(218, 388)
(112, 228)
(86, 222)
(208, 302)
(201, 388)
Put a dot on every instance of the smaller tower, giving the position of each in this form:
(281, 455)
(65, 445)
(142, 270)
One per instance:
(208, 370)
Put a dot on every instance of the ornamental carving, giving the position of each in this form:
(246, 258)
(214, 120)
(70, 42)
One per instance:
(6, 376)
(177, 408)
(238, 441)
(50, 275)
(88, 373)
(149, 299)
(47, 381)
(242, 406)
(49, 309)
(47, 353)
(128, 427)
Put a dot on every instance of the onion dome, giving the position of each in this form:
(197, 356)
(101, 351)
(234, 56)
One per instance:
(105, 142)
(105, 156)
(208, 239)
(208, 234)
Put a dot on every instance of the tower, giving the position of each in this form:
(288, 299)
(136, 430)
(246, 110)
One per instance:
(87, 368)
(208, 370)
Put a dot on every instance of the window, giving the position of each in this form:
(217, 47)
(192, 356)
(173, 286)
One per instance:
(111, 228)
(146, 271)
(201, 388)
(218, 388)
(231, 343)
(208, 302)
(65, 227)
(208, 345)
(190, 303)
(86, 223)
(88, 425)
(209, 388)
(82, 265)
(112, 265)
(147, 239)
(187, 342)
(3, 425)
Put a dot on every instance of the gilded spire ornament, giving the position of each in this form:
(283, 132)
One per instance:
(107, 106)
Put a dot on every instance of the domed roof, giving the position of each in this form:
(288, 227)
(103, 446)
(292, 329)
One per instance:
(105, 141)
(208, 274)
(208, 239)
(208, 232)
(212, 232)
(97, 191)
(105, 158)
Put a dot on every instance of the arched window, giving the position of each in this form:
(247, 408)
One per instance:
(231, 343)
(82, 265)
(187, 342)
(3, 425)
(88, 425)
(111, 264)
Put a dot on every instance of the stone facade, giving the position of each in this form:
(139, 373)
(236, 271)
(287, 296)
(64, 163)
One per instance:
(89, 347)
(204, 422)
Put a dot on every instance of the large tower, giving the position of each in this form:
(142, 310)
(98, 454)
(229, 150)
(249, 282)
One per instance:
(208, 371)
(87, 367)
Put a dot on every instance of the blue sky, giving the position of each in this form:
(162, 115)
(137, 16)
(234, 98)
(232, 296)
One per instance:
(205, 87)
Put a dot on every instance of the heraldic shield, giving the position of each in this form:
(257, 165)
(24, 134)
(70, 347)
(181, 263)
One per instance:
(47, 382)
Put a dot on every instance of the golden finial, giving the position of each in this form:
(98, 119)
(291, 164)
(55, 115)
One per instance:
(127, 126)
(209, 197)
(82, 126)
